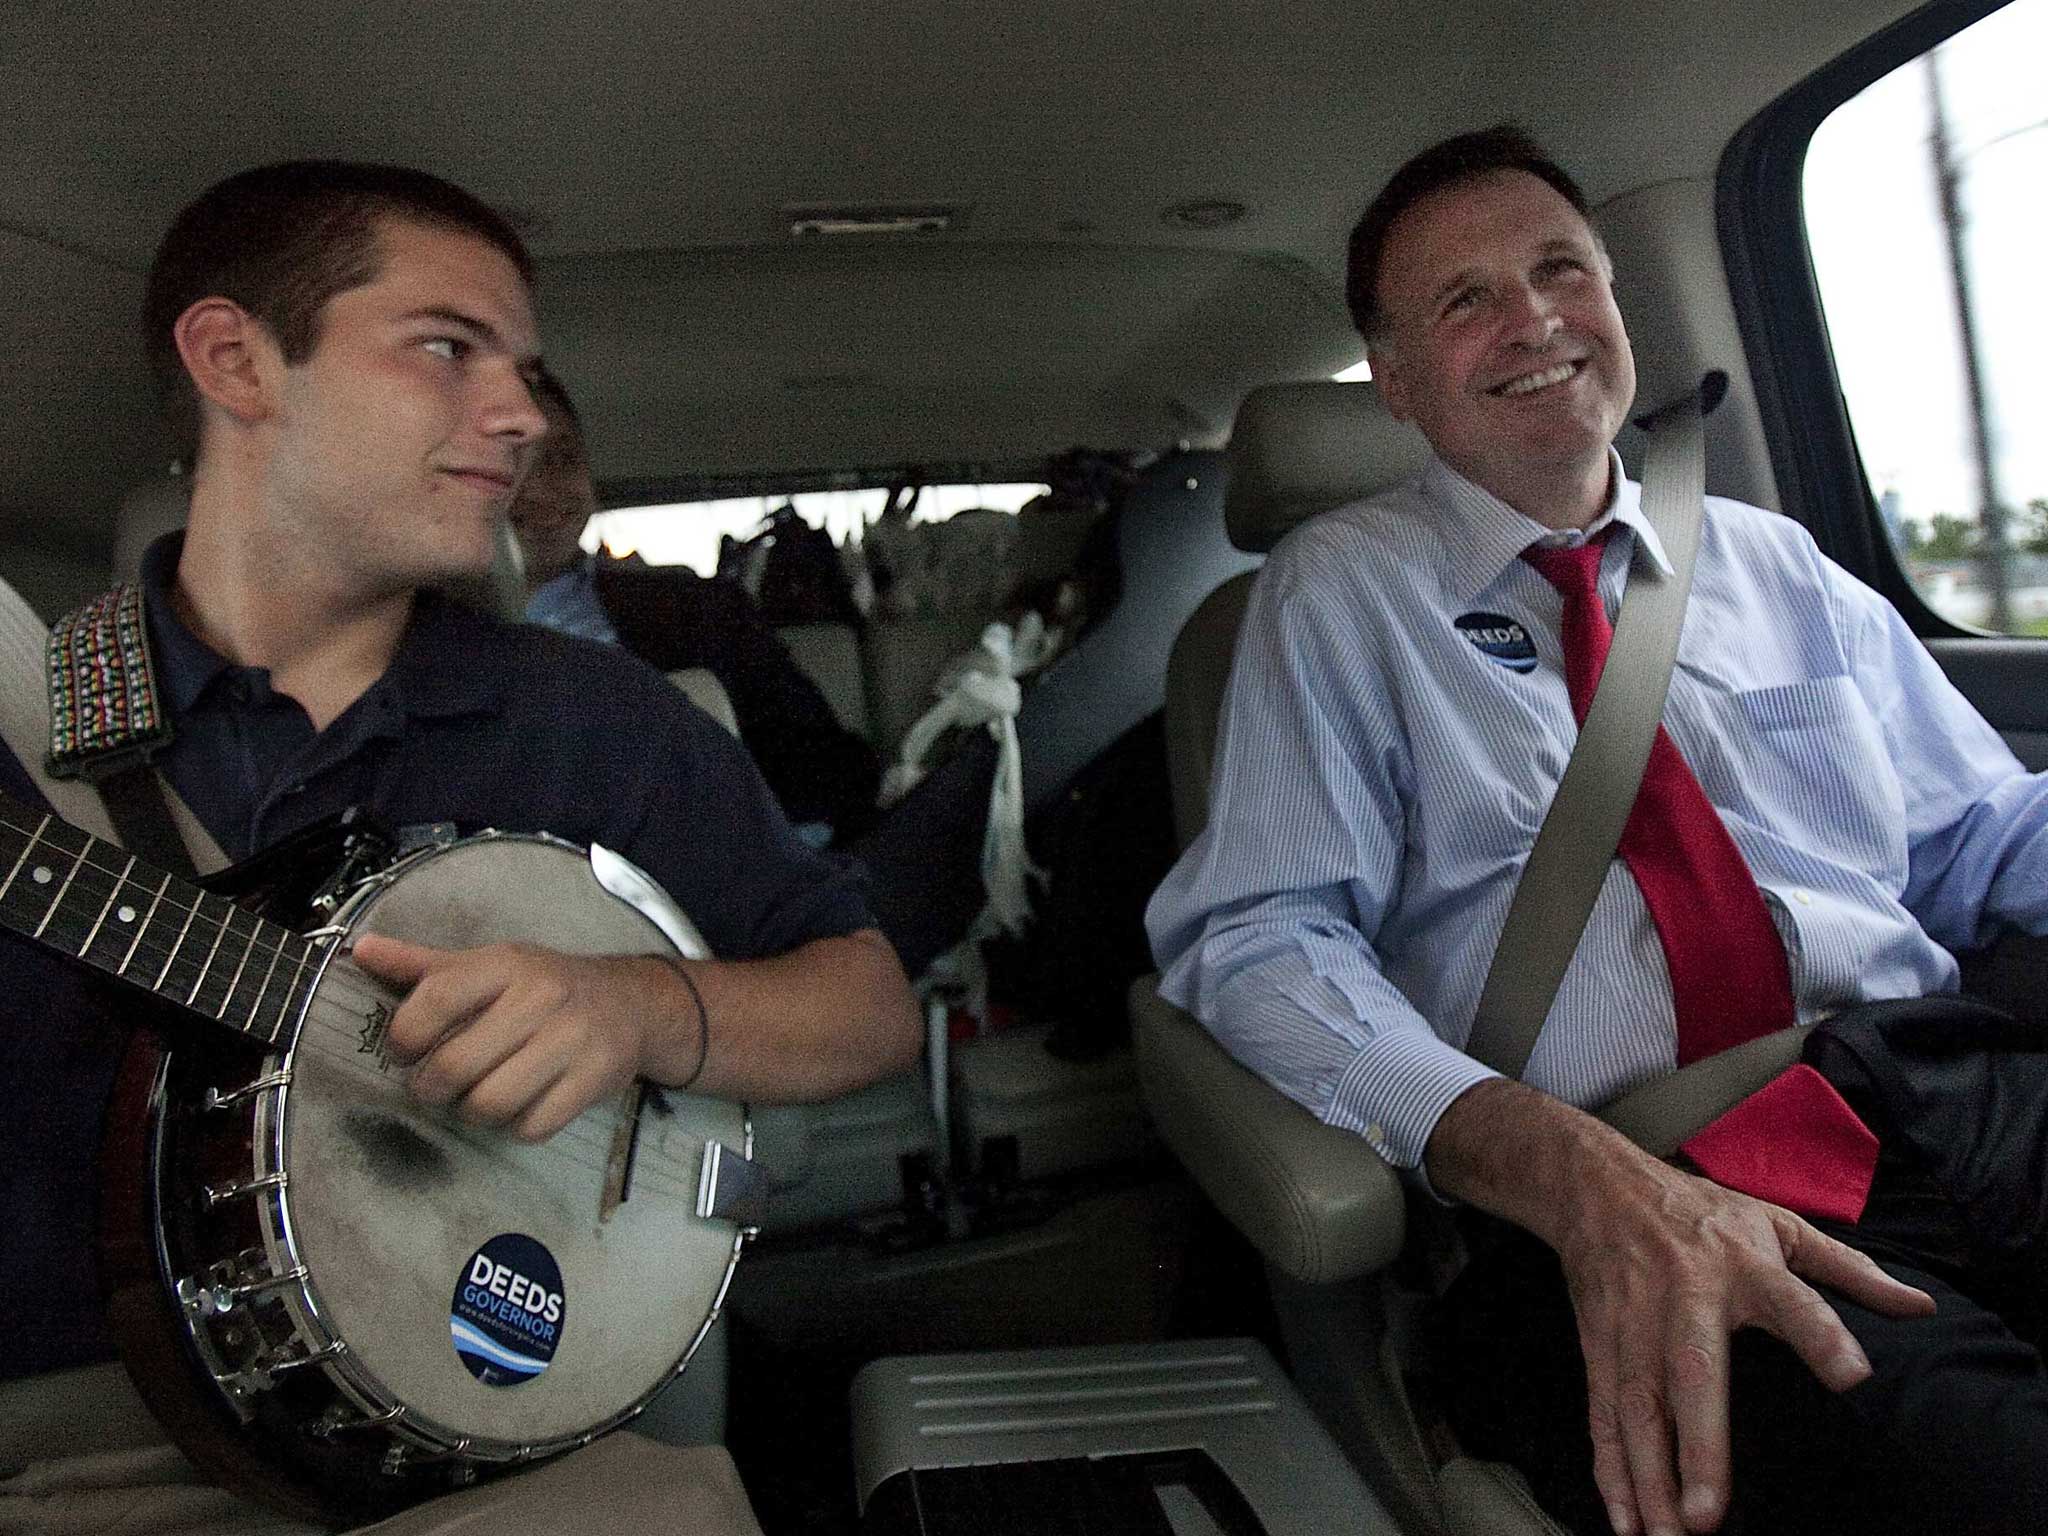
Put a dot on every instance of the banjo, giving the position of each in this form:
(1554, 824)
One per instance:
(339, 1300)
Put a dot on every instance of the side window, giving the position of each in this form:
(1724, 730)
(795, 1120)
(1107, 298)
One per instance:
(1929, 236)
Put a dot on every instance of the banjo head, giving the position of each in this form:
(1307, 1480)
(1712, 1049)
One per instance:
(478, 1283)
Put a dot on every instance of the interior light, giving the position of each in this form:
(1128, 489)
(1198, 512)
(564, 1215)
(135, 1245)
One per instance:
(1358, 372)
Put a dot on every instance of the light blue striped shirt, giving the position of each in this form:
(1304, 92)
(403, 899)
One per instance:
(1396, 725)
(569, 604)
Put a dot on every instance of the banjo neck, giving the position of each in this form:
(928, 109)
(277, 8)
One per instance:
(96, 904)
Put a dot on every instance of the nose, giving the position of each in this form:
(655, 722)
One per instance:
(511, 411)
(1532, 317)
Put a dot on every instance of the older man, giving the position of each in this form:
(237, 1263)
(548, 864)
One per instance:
(921, 860)
(351, 349)
(820, 771)
(1822, 814)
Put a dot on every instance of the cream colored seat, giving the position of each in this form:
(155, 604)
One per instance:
(829, 655)
(1320, 1206)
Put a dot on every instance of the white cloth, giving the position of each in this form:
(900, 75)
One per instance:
(982, 688)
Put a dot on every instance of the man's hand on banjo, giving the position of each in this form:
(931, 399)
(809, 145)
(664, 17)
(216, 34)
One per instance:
(528, 1038)
(523, 1037)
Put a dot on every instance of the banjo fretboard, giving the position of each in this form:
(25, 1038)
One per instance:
(92, 901)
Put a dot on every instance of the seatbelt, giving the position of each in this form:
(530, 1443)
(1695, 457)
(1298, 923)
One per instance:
(25, 727)
(25, 715)
(1576, 843)
(140, 805)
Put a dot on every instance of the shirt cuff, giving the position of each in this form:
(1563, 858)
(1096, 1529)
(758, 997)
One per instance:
(1394, 1091)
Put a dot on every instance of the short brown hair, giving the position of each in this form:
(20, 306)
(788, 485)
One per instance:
(281, 240)
(1504, 147)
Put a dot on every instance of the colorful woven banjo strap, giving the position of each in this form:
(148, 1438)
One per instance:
(105, 714)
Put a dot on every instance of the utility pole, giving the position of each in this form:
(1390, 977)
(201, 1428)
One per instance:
(1995, 552)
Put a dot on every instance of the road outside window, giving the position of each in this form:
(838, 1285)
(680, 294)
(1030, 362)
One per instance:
(1929, 236)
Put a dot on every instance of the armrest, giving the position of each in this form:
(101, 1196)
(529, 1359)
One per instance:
(1318, 1203)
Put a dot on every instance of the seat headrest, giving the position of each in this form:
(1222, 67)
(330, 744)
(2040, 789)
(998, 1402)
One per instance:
(1300, 449)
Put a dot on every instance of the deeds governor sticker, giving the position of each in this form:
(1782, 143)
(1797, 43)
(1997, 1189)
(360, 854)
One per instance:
(507, 1315)
(1499, 639)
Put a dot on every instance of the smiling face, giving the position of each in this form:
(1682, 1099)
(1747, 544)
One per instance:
(396, 447)
(1502, 343)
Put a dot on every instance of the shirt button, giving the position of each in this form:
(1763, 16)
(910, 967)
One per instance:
(1376, 1134)
(1804, 898)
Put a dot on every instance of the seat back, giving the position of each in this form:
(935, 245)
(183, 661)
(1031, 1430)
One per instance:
(1297, 450)
(701, 686)
(1197, 672)
(829, 655)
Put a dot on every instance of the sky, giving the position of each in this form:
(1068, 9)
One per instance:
(1874, 226)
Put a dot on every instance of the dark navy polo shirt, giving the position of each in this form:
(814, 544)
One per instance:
(476, 722)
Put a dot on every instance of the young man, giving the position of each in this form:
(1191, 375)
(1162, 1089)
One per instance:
(1856, 815)
(350, 350)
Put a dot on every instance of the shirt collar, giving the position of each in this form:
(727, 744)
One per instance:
(1488, 535)
(446, 662)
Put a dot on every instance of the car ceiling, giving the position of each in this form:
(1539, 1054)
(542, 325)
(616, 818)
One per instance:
(654, 152)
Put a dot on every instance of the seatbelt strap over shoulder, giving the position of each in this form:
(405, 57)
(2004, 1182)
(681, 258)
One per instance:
(25, 714)
(1576, 843)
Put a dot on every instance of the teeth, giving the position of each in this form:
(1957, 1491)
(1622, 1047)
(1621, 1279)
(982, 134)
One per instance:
(1535, 381)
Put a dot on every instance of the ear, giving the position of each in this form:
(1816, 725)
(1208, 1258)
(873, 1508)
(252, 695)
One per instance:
(231, 357)
(1392, 379)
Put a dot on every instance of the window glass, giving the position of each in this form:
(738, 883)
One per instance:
(688, 533)
(1929, 230)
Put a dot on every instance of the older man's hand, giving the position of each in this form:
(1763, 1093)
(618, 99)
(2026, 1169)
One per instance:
(1663, 1268)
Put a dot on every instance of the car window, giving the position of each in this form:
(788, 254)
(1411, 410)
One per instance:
(1927, 228)
(688, 533)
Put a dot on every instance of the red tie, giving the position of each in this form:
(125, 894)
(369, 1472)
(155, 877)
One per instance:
(1794, 1142)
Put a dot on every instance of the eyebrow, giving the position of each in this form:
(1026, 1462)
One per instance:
(454, 317)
